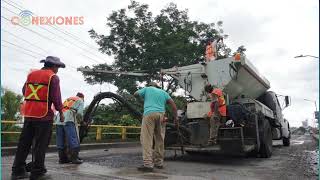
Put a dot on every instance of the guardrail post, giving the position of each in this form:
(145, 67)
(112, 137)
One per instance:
(123, 133)
(99, 132)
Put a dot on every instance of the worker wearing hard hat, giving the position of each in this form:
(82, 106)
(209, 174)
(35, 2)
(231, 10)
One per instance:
(73, 112)
(217, 113)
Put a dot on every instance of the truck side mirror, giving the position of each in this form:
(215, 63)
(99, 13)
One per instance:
(287, 101)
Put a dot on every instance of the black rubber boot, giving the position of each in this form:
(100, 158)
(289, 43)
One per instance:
(75, 157)
(21, 175)
(63, 158)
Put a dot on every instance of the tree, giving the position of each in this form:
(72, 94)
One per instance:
(140, 41)
(115, 114)
(10, 103)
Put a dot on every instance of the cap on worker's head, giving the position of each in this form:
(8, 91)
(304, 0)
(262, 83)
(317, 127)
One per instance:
(154, 84)
(52, 60)
(80, 95)
(208, 88)
(217, 91)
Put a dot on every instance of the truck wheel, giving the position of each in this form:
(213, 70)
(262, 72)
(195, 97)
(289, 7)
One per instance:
(265, 140)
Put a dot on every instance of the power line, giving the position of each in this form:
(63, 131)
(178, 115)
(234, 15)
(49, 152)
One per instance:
(22, 47)
(67, 70)
(21, 8)
(25, 40)
(58, 36)
(48, 38)
(19, 51)
(62, 31)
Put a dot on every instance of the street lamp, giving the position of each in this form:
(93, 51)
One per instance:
(306, 56)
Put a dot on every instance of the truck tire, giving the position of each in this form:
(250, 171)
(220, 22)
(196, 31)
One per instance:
(265, 150)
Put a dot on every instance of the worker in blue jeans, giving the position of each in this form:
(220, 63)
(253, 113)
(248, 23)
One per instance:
(67, 131)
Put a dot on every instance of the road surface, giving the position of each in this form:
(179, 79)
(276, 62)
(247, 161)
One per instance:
(297, 162)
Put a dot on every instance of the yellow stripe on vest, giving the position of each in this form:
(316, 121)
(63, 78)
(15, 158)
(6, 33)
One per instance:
(34, 91)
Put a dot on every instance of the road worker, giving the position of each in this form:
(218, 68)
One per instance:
(210, 54)
(73, 112)
(217, 113)
(153, 125)
(41, 90)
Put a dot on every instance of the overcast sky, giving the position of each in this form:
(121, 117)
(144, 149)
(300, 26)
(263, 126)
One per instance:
(273, 32)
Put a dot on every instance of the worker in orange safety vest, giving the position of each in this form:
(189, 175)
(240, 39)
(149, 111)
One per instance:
(73, 112)
(217, 113)
(41, 90)
(210, 54)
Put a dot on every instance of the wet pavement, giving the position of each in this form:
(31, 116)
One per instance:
(299, 161)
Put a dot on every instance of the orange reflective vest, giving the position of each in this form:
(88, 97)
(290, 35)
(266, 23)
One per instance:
(221, 102)
(68, 103)
(210, 52)
(36, 93)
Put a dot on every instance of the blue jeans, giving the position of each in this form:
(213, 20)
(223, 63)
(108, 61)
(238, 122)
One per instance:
(69, 131)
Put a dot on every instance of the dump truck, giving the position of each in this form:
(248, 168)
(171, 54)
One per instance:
(255, 111)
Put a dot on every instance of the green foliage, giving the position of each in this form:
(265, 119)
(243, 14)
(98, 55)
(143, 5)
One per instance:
(140, 41)
(180, 102)
(10, 104)
(115, 114)
(128, 120)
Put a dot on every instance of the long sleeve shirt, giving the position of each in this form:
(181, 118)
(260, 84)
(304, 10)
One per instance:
(71, 115)
(54, 98)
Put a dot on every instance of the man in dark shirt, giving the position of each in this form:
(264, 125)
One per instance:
(37, 129)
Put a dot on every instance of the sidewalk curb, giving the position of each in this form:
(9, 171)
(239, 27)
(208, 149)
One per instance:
(8, 151)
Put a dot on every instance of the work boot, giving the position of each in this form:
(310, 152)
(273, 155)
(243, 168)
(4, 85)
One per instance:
(63, 158)
(145, 168)
(75, 157)
(22, 175)
(158, 166)
(40, 177)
